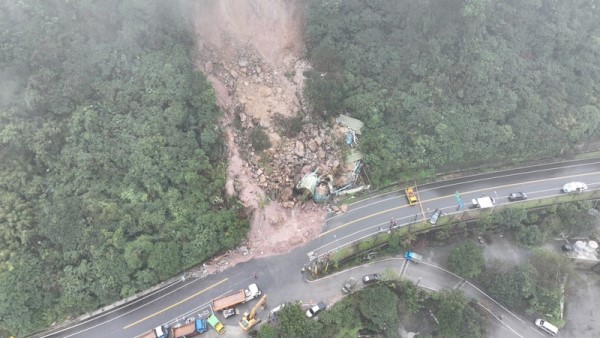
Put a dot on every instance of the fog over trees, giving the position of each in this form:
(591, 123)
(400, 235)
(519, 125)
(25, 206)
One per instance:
(112, 167)
(112, 173)
(445, 82)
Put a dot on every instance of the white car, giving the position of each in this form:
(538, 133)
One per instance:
(544, 325)
(315, 309)
(574, 187)
(278, 308)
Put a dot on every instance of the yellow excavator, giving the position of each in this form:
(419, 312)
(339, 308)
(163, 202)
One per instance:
(249, 319)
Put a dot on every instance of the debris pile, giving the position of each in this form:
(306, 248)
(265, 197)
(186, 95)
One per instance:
(262, 97)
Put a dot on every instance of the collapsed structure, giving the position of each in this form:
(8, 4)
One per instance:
(321, 187)
(584, 254)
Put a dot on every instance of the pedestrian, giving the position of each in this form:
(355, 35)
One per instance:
(254, 274)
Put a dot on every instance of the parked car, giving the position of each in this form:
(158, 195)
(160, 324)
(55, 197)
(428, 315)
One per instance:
(436, 215)
(545, 326)
(372, 278)
(349, 285)
(315, 309)
(566, 247)
(574, 187)
(278, 308)
(517, 196)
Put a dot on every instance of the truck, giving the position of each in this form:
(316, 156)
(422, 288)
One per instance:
(483, 202)
(158, 332)
(413, 257)
(216, 324)
(190, 329)
(411, 196)
(234, 299)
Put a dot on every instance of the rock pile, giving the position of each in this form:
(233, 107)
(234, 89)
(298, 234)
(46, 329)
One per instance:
(260, 94)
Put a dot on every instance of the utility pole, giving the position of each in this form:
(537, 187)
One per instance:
(338, 243)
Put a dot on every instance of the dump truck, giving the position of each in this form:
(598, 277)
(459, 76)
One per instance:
(216, 324)
(234, 299)
(250, 319)
(413, 257)
(483, 202)
(411, 195)
(190, 329)
(157, 332)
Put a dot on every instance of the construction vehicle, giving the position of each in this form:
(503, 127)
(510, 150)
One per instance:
(250, 319)
(413, 257)
(190, 329)
(216, 324)
(483, 202)
(234, 299)
(158, 332)
(411, 195)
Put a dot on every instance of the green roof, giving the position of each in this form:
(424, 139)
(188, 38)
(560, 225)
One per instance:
(350, 122)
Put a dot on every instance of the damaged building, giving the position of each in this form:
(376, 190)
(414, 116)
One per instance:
(352, 180)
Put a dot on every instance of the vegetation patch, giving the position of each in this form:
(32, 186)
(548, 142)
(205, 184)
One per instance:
(380, 309)
(259, 139)
(422, 74)
(112, 173)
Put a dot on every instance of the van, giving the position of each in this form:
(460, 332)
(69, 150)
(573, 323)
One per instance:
(544, 325)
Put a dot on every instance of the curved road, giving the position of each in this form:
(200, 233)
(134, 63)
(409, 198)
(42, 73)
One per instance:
(280, 276)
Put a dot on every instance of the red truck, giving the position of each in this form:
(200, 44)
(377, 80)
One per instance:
(234, 299)
(190, 329)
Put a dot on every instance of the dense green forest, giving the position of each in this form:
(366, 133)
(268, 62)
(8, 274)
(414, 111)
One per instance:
(441, 82)
(112, 172)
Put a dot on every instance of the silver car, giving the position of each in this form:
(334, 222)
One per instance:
(436, 215)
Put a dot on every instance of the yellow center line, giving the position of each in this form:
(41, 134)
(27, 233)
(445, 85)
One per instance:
(174, 305)
(442, 197)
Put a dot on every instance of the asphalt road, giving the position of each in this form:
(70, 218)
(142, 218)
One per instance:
(280, 277)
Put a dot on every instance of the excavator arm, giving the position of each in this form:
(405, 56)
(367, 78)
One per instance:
(249, 320)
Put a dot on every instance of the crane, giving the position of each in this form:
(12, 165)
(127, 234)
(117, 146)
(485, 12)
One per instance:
(249, 319)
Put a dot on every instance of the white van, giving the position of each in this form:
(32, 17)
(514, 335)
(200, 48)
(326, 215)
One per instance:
(544, 325)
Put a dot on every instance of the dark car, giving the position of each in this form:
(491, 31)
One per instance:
(373, 278)
(566, 247)
(517, 196)
(315, 309)
(436, 215)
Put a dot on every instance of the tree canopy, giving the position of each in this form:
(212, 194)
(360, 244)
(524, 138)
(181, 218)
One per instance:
(456, 316)
(111, 175)
(446, 82)
(466, 260)
(536, 286)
